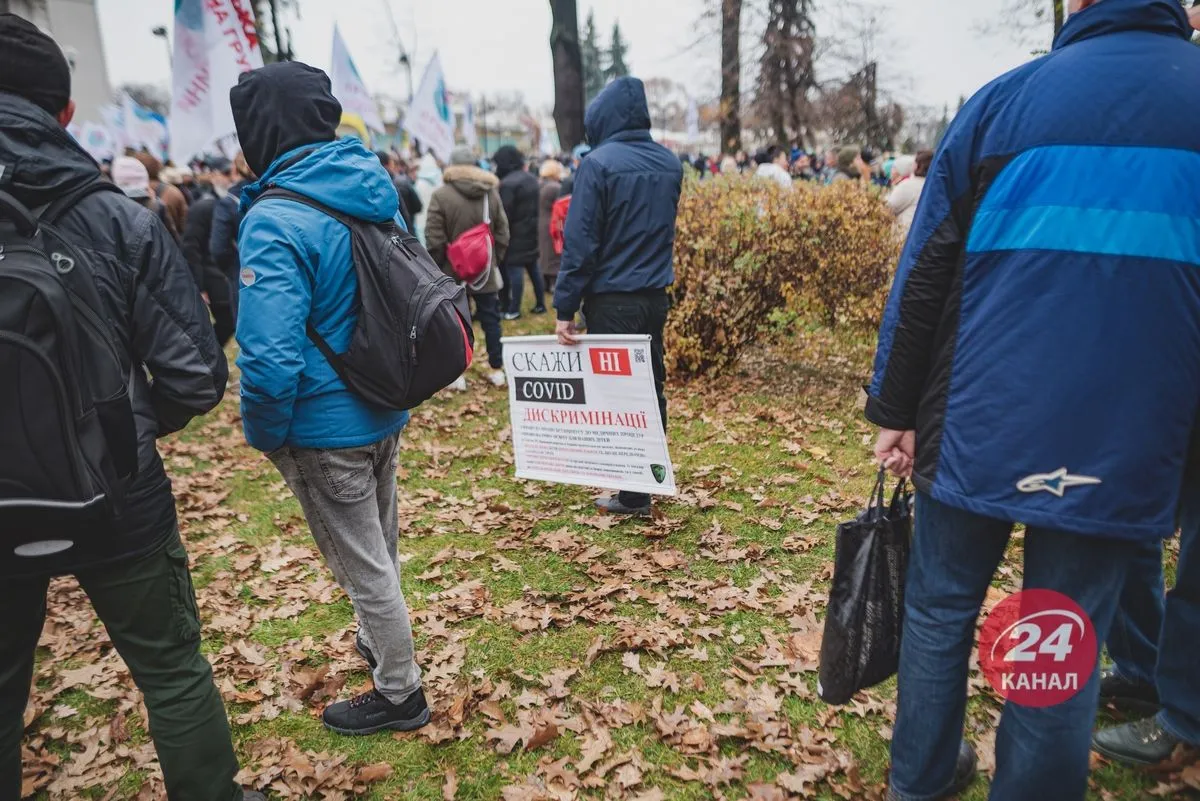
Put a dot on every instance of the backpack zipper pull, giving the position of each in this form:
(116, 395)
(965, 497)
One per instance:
(412, 338)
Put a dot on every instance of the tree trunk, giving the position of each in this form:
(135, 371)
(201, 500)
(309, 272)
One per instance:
(731, 76)
(1059, 15)
(568, 73)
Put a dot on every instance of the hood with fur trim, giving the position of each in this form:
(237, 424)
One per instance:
(470, 181)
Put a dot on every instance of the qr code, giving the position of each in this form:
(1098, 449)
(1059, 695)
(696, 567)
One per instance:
(639, 356)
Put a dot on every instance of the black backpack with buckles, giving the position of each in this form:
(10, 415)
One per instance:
(67, 431)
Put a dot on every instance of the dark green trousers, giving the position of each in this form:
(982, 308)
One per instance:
(149, 608)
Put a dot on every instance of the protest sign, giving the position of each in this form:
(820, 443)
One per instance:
(587, 414)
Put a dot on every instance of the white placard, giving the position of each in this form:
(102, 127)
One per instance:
(587, 414)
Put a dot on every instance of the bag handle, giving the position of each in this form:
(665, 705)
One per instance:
(487, 211)
(15, 210)
(876, 508)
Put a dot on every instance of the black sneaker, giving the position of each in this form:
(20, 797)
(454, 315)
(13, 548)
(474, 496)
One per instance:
(613, 506)
(371, 712)
(1117, 688)
(538, 309)
(964, 774)
(510, 316)
(365, 652)
(1142, 742)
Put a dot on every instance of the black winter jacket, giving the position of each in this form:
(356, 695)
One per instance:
(519, 193)
(195, 238)
(151, 301)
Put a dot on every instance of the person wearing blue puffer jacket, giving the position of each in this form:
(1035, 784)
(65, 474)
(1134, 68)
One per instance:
(336, 452)
(1039, 362)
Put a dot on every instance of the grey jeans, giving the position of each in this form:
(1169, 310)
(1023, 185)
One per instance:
(349, 499)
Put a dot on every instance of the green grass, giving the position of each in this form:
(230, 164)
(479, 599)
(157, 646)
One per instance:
(779, 440)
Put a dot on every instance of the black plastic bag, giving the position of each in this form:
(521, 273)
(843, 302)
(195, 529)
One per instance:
(861, 646)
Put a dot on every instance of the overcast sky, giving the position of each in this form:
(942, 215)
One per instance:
(931, 51)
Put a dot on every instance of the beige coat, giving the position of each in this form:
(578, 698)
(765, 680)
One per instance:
(456, 207)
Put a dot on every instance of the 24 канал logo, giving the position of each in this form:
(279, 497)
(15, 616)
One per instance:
(1038, 648)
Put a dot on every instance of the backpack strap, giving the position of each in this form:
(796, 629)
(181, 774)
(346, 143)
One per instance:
(487, 213)
(279, 193)
(22, 217)
(54, 211)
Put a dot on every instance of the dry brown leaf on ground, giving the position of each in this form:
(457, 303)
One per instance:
(450, 785)
(541, 736)
(369, 774)
(506, 737)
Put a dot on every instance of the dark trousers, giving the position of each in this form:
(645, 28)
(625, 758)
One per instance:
(1041, 752)
(487, 312)
(514, 287)
(220, 304)
(148, 607)
(634, 313)
(1156, 638)
(235, 283)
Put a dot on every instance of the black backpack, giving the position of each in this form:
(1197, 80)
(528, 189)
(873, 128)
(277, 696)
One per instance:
(67, 431)
(414, 334)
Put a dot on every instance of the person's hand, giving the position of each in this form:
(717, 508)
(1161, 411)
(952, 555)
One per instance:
(896, 450)
(567, 333)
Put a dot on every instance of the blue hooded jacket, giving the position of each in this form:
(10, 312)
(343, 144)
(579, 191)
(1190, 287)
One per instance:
(1043, 332)
(620, 230)
(296, 267)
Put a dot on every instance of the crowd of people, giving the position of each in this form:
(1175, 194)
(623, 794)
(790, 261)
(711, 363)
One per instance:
(1039, 362)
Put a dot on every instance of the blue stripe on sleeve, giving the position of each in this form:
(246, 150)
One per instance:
(1119, 201)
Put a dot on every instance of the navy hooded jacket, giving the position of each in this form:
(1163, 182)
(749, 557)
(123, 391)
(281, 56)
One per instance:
(620, 230)
(1043, 333)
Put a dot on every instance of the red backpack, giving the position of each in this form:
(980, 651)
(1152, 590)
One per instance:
(470, 254)
(558, 222)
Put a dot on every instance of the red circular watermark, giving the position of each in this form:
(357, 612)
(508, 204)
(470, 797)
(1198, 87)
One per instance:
(1038, 648)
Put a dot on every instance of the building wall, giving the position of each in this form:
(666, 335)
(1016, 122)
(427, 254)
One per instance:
(75, 25)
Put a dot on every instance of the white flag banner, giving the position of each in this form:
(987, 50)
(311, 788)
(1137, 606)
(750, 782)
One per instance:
(429, 120)
(348, 86)
(144, 129)
(215, 42)
(469, 132)
(113, 118)
(547, 141)
(587, 414)
(693, 121)
(97, 140)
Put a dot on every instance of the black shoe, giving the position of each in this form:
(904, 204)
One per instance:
(538, 309)
(1115, 687)
(371, 712)
(964, 773)
(1142, 742)
(512, 316)
(614, 506)
(253, 795)
(365, 652)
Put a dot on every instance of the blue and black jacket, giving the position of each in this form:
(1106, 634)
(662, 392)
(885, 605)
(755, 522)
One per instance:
(1043, 332)
(620, 232)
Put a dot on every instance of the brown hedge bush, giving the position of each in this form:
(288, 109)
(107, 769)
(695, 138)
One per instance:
(745, 248)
